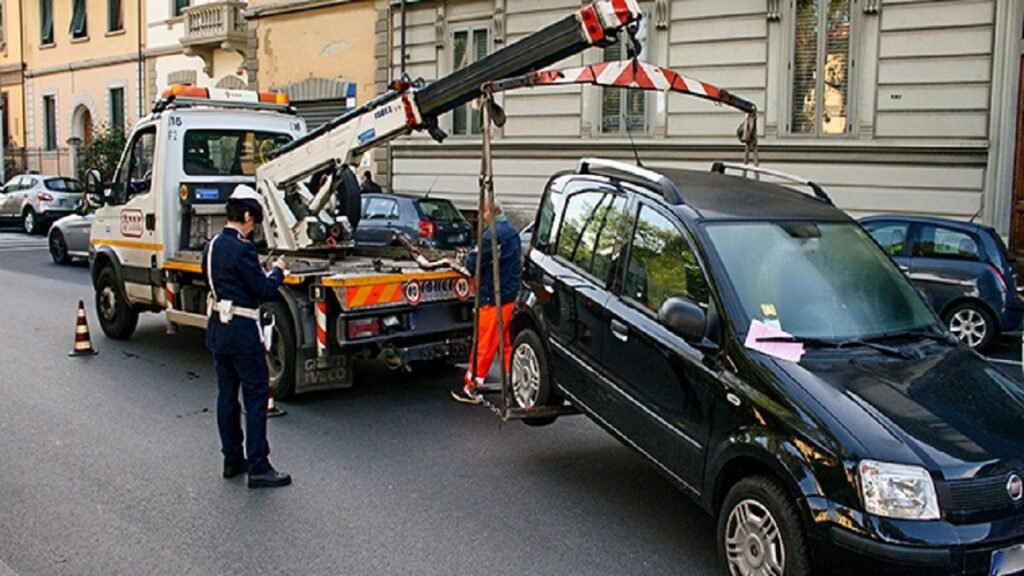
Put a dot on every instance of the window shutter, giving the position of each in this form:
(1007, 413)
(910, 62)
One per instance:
(460, 56)
(115, 19)
(805, 65)
(46, 32)
(835, 76)
(78, 20)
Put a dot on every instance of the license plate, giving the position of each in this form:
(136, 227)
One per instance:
(1007, 561)
(457, 238)
(60, 202)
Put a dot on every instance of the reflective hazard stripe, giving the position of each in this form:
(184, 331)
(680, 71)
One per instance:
(321, 328)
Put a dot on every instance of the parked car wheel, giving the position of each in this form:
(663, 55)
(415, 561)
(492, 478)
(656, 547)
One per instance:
(531, 379)
(30, 222)
(117, 319)
(760, 532)
(58, 248)
(972, 324)
(281, 357)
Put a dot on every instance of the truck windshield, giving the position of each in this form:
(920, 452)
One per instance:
(228, 152)
(823, 281)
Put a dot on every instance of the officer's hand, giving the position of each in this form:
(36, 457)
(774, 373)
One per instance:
(280, 264)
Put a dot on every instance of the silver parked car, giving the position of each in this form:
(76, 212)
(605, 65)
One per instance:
(69, 236)
(37, 200)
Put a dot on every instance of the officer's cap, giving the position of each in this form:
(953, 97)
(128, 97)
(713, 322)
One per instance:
(248, 199)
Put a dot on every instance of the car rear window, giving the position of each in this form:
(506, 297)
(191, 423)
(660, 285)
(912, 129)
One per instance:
(440, 210)
(63, 185)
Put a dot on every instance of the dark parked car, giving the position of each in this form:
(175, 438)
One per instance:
(757, 346)
(963, 268)
(432, 222)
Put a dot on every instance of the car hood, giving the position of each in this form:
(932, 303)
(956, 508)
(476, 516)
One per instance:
(949, 411)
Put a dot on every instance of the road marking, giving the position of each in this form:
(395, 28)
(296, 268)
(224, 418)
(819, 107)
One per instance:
(6, 570)
(14, 242)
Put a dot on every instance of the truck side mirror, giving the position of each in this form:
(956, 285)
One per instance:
(94, 188)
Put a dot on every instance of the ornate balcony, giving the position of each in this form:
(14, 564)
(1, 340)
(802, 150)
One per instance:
(214, 26)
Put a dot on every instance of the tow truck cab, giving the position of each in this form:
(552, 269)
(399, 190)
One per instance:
(178, 168)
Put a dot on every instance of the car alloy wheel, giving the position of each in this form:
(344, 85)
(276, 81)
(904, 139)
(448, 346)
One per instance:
(753, 541)
(58, 248)
(969, 326)
(29, 221)
(525, 376)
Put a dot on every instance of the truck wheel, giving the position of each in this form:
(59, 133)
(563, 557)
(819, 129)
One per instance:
(281, 357)
(117, 319)
(760, 532)
(531, 379)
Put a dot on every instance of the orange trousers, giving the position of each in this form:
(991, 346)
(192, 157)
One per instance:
(487, 343)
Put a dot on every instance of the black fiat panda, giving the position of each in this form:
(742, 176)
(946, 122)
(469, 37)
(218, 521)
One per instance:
(758, 347)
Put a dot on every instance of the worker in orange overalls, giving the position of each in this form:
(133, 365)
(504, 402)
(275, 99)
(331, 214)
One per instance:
(510, 260)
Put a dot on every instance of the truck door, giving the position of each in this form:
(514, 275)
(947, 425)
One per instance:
(131, 227)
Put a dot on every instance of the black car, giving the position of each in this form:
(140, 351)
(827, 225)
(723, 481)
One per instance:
(432, 222)
(962, 267)
(759, 348)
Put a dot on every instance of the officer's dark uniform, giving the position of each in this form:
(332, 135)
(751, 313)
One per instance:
(238, 353)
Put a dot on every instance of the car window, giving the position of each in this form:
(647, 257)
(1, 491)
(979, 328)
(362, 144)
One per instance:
(380, 209)
(589, 232)
(891, 236)
(135, 172)
(940, 242)
(662, 264)
(440, 210)
(64, 185)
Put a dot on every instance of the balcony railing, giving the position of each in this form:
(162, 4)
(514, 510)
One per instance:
(212, 26)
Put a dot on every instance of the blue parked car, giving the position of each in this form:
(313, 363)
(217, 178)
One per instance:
(963, 269)
(431, 222)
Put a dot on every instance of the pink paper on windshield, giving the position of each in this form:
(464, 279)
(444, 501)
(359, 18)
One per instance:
(791, 351)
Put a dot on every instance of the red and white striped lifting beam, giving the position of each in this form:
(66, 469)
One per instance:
(625, 74)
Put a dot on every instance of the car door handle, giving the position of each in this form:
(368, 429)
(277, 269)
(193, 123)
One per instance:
(620, 330)
(548, 284)
(903, 268)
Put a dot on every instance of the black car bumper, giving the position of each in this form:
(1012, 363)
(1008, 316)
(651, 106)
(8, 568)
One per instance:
(859, 544)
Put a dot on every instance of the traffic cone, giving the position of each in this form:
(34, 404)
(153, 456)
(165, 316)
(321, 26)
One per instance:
(83, 344)
(272, 410)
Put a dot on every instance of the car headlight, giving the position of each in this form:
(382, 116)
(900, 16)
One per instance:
(898, 491)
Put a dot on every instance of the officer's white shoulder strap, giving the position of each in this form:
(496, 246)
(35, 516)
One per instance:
(209, 265)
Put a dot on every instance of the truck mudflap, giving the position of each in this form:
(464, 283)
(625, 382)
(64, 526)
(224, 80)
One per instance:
(327, 374)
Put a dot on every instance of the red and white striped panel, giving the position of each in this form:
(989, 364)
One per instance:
(629, 74)
(320, 311)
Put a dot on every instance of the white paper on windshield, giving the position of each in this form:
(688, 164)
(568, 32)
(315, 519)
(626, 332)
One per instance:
(791, 351)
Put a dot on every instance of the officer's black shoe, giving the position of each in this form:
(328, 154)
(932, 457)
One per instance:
(270, 479)
(232, 470)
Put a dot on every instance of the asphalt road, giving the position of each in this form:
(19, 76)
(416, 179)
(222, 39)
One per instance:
(110, 465)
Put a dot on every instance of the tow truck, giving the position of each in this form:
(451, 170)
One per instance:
(341, 301)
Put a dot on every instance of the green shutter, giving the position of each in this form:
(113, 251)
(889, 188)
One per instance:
(460, 57)
(46, 21)
(115, 18)
(78, 20)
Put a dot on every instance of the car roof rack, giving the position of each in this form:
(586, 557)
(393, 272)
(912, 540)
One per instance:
(634, 174)
(819, 192)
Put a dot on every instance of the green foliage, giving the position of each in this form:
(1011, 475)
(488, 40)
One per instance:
(104, 152)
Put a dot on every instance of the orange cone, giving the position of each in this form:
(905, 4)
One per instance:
(272, 409)
(83, 344)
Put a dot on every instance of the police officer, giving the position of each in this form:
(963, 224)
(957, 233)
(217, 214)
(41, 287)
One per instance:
(237, 284)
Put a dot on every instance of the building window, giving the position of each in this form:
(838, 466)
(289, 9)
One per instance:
(115, 17)
(46, 22)
(78, 21)
(117, 109)
(3, 21)
(49, 122)
(179, 6)
(468, 46)
(820, 68)
(625, 110)
(7, 121)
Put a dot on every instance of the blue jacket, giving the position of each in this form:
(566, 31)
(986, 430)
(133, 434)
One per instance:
(510, 264)
(239, 277)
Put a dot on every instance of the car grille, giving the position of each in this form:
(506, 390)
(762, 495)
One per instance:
(980, 500)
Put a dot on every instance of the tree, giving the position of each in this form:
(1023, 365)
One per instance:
(104, 152)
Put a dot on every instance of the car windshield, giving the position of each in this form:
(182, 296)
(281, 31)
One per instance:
(823, 281)
(228, 152)
(63, 185)
(440, 210)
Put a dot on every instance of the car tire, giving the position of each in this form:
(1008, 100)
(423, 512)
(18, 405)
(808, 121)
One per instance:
(281, 357)
(30, 222)
(530, 378)
(972, 324)
(58, 247)
(760, 531)
(117, 318)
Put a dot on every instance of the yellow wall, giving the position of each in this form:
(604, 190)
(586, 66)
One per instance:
(10, 64)
(339, 45)
(99, 43)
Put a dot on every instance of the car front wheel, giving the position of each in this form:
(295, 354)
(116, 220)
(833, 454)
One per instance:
(760, 532)
(972, 324)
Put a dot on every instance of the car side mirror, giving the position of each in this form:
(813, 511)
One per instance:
(684, 318)
(94, 188)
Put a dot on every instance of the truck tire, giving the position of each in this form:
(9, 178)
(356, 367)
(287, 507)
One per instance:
(117, 318)
(281, 357)
(531, 377)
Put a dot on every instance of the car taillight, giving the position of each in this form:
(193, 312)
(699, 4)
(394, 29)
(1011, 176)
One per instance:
(362, 328)
(44, 196)
(1002, 281)
(426, 228)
